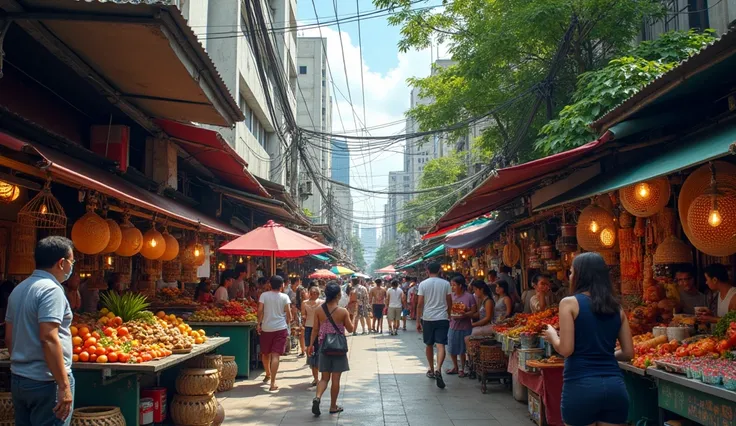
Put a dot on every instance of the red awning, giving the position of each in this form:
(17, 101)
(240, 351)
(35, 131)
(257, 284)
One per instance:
(85, 175)
(210, 149)
(508, 184)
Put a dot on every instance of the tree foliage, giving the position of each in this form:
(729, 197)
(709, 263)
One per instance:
(601, 90)
(386, 254)
(503, 49)
(427, 207)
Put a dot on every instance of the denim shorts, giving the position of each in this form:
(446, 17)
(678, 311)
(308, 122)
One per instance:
(595, 399)
(456, 341)
(34, 402)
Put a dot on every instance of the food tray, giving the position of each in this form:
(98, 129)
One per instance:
(669, 367)
(537, 364)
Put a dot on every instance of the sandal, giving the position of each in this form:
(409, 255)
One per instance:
(339, 410)
(315, 407)
(313, 384)
(266, 379)
(430, 374)
(461, 374)
(451, 372)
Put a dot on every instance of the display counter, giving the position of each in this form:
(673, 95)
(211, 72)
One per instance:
(642, 391)
(239, 345)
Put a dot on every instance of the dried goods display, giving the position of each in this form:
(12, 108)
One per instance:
(233, 311)
(173, 296)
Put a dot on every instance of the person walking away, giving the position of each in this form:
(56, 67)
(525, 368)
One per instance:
(39, 339)
(309, 307)
(352, 302)
(503, 306)
(460, 324)
(378, 301)
(716, 277)
(361, 295)
(413, 288)
(331, 319)
(690, 297)
(591, 320)
(226, 281)
(434, 302)
(396, 302)
(237, 290)
(405, 312)
(274, 317)
(543, 297)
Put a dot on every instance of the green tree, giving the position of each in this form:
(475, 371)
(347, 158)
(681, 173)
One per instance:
(427, 207)
(386, 254)
(503, 50)
(358, 253)
(599, 91)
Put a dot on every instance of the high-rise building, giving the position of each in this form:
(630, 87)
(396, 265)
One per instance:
(256, 139)
(342, 201)
(398, 181)
(370, 244)
(340, 161)
(314, 112)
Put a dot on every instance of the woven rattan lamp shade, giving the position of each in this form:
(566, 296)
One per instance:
(719, 240)
(154, 244)
(698, 182)
(511, 254)
(672, 250)
(645, 199)
(116, 236)
(43, 212)
(8, 192)
(90, 233)
(592, 221)
(172, 248)
(132, 240)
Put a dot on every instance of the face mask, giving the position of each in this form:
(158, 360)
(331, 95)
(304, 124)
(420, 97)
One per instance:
(69, 274)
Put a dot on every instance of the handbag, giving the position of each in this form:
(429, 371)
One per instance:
(334, 343)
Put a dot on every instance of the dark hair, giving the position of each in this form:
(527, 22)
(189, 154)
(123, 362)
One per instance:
(591, 274)
(312, 284)
(717, 271)
(433, 268)
(276, 282)
(299, 297)
(240, 269)
(492, 272)
(201, 288)
(414, 279)
(538, 277)
(295, 280)
(332, 290)
(460, 280)
(262, 280)
(226, 275)
(505, 286)
(505, 269)
(355, 281)
(685, 269)
(481, 285)
(395, 283)
(51, 250)
(378, 282)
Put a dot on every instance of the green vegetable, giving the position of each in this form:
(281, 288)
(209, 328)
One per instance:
(724, 323)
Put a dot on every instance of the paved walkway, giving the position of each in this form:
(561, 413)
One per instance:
(385, 386)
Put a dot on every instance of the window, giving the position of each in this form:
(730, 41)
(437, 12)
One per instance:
(324, 83)
(302, 69)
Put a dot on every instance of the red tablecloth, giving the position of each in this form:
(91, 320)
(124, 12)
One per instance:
(548, 385)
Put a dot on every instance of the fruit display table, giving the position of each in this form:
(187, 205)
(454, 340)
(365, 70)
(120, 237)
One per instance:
(119, 384)
(705, 404)
(548, 385)
(642, 395)
(239, 345)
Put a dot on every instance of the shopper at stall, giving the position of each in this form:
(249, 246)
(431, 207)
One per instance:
(483, 324)
(690, 297)
(492, 277)
(237, 290)
(309, 307)
(503, 305)
(395, 302)
(543, 297)
(716, 277)
(227, 278)
(71, 289)
(39, 338)
(434, 303)
(591, 321)
(378, 302)
(464, 307)
(331, 319)
(274, 317)
(202, 293)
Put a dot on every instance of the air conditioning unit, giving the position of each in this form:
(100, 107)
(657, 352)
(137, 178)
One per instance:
(305, 189)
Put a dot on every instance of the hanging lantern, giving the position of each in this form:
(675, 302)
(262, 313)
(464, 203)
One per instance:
(8, 192)
(172, 247)
(511, 254)
(43, 212)
(672, 251)
(90, 233)
(594, 222)
(645, 199)
(132, 239)
(712, 220)
(154, 244)
(198, 254)
(116, 236)
(697, 183)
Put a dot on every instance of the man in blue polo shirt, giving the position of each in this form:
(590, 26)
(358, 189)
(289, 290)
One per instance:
(38, 324)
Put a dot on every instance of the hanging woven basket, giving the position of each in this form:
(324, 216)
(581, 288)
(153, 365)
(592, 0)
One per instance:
(511, 254)
(713, 240)
(154, 244)
(132, 240)
(171, 270)
(8, 192)
(698, 183)
(672, 250)
(644, 199)
(172, 247)
(91, 233)
(116, 237)
(592, 223)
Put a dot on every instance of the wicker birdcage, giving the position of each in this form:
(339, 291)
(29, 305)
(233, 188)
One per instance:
(698, 182)
(131, 241)
(592, 221)
(90, 233)
(44, 212)
(645, 199)
(116, 237)
(171, 270)
(568, 240)
(671, 251)
(154, 244)
(172, 247)
(715, 240)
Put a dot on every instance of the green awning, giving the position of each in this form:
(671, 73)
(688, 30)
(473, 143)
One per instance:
(409, 265)
(320, 257)
(438, 251)
(689, 152)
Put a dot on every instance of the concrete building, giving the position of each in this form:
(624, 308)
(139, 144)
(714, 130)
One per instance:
(683, 15)
(256, 139)
(369, 240)
(314, 112)
(399, 181)
(342, 200)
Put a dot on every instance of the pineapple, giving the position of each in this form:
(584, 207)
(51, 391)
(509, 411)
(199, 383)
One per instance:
(129, 306)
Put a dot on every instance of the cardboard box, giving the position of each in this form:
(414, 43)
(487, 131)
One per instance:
(536, 409)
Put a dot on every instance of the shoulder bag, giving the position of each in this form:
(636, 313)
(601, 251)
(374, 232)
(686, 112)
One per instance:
(334, 343)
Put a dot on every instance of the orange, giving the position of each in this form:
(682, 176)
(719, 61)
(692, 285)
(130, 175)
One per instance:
(83, 330)
(93, 358)
(75, 358)
(96, 335)
(85, 336)
(123, 357)
(102, 359)
(122, 331)
(101, 351)
(146, 357)
(77, 341)
(113, 357)
(77, 350)
(74, 330)
(161, 314)
(108, 331)
(117, 321)
(84, 356)
(90, 342)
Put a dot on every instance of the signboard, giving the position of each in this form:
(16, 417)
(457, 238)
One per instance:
(700, 407)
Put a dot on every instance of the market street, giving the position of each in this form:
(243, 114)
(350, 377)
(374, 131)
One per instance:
(385, 386)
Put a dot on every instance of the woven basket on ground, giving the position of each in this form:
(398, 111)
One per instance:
(644, 199)
(220, 416)
(592, 221)
(197, 381)
(98, 416)
(698, 183)
(229, 368)
(7, 412)
(207, 361)
(225, 385)
(672, 250)
(713, 240)
(193, 410)
(492, 357)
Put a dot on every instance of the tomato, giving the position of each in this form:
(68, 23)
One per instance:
(91, 349)
(84, 356)
(93, 358)
(77, 350)
(96, 335)
(90, 342)
(101, 351)
(113, 357)
(117, 321)
(122, 331)
(138, 360)
(102, 359)
(146, 357)
(86, 336)
(108, 331)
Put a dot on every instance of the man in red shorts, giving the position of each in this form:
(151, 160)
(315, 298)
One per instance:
(274, 317)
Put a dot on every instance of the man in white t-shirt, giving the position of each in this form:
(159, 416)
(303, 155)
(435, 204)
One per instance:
(433, 312)
(274, 317)
(396, 301)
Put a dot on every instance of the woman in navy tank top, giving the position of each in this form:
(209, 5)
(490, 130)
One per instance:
(593, 390)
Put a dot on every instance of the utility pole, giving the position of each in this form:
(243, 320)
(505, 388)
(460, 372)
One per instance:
(294, 152)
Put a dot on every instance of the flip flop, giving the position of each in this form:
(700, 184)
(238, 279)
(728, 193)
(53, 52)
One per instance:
(451, 372)
(315, 407)
(339, 410)
(430, 374)
(461, 374)
(440, 380)
(266, 379)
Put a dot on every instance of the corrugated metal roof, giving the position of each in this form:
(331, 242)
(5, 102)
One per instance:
(710, 55)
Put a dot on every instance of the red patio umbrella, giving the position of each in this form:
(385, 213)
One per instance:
(274, 240)
(322, 274)
(386, 270)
